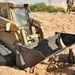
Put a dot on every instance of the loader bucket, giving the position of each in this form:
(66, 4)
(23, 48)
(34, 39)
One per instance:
(31, 54)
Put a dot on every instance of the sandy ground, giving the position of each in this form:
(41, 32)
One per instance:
(58, 65)
(53, 22)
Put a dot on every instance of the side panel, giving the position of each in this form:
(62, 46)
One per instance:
(10, 39)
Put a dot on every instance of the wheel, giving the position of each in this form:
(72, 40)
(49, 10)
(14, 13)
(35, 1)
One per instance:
(6, 56)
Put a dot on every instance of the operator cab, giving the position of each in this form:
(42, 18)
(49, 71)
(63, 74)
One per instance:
(20, 15)
(17, 12)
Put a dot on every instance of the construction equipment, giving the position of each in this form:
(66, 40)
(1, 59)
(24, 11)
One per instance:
(69, 5)
(18, 45)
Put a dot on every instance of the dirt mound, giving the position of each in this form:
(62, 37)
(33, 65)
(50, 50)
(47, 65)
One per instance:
(51, 22)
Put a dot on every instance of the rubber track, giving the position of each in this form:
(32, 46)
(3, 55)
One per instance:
(8, 55)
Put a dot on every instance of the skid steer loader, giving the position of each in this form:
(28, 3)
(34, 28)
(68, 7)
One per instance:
(18, 45)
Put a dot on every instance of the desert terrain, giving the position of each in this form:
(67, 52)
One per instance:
(60, 4)
(58, 65)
